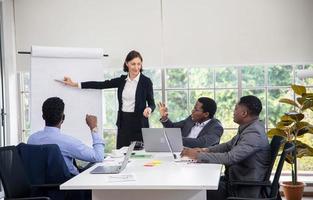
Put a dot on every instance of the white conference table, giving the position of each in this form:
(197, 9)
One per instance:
(167, 181)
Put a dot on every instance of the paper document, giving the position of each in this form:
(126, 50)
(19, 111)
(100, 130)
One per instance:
(122, 177)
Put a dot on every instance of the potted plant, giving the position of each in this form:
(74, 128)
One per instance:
(292, 126)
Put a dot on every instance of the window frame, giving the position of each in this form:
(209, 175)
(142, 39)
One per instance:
(240, 88)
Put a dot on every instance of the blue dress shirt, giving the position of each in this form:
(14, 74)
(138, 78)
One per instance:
(71, 148)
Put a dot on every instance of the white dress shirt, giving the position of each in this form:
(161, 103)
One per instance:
(197, 128)
(129, 94)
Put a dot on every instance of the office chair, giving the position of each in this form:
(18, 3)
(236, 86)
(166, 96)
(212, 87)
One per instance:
(273, 193)
(275, 144)
(44, 164)
(14, 179)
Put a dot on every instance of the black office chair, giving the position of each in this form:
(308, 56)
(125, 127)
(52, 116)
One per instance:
(275, 145)
(14, 179)
(44, 164)
(274, 186)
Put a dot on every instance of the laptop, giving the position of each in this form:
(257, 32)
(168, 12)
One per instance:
(115, 169)
(176, 158)
(154, 139)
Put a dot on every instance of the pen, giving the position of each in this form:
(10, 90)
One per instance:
(60, 81)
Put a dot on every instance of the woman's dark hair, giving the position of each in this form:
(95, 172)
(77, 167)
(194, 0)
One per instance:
(208, 105)
(53, 111)
(253, 104)
(131, 55)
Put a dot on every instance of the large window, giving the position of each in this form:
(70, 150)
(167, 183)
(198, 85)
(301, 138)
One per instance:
(180, 87)
(24, 86)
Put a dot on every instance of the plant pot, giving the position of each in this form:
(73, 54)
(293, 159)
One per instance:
(293, 192)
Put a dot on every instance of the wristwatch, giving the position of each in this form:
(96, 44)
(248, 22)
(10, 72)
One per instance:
(94, 130)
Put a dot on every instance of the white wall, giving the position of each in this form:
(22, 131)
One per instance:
(172, 32)
(9, 64)
(117, 26)
(209, 32)
(167, 32)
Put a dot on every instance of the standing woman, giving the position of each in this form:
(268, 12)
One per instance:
(135, 99)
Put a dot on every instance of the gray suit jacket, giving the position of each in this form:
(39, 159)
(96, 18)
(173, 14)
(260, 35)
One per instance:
(246, 157)
(210, 134)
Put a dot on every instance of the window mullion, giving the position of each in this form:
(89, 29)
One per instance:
(163, 74)
(239, 72)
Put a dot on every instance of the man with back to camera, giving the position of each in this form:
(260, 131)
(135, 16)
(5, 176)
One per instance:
(246, 156)
(71, 148)
(200, 129)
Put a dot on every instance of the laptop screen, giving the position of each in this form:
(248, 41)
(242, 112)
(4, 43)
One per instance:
(169, 144)
(154, 139)
(128, 154)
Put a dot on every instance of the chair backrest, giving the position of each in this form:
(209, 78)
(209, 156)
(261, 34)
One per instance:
(44, 164)
(14, 179)
(275, 146)
(288, 148)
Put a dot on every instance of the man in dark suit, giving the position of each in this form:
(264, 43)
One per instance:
(246, 156)
(200, 129)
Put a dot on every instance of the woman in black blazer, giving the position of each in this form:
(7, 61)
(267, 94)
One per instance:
(135, 99)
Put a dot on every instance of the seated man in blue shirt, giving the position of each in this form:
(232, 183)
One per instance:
(200, 129)
(71, 148)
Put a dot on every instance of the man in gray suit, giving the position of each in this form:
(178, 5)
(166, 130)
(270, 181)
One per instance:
(200, 129)
(246, 156)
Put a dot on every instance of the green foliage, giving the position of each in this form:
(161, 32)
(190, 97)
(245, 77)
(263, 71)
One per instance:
(177, 105)
(276, 109)
(155, 76)
(226, 101)
(306, 81)
(280, 75)
(204, 81)
(176, 78)
(184, 85)
(110, 140)
(292, 126)
(226, 77)
(155, 117)
(253, 76)
(110, 107)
